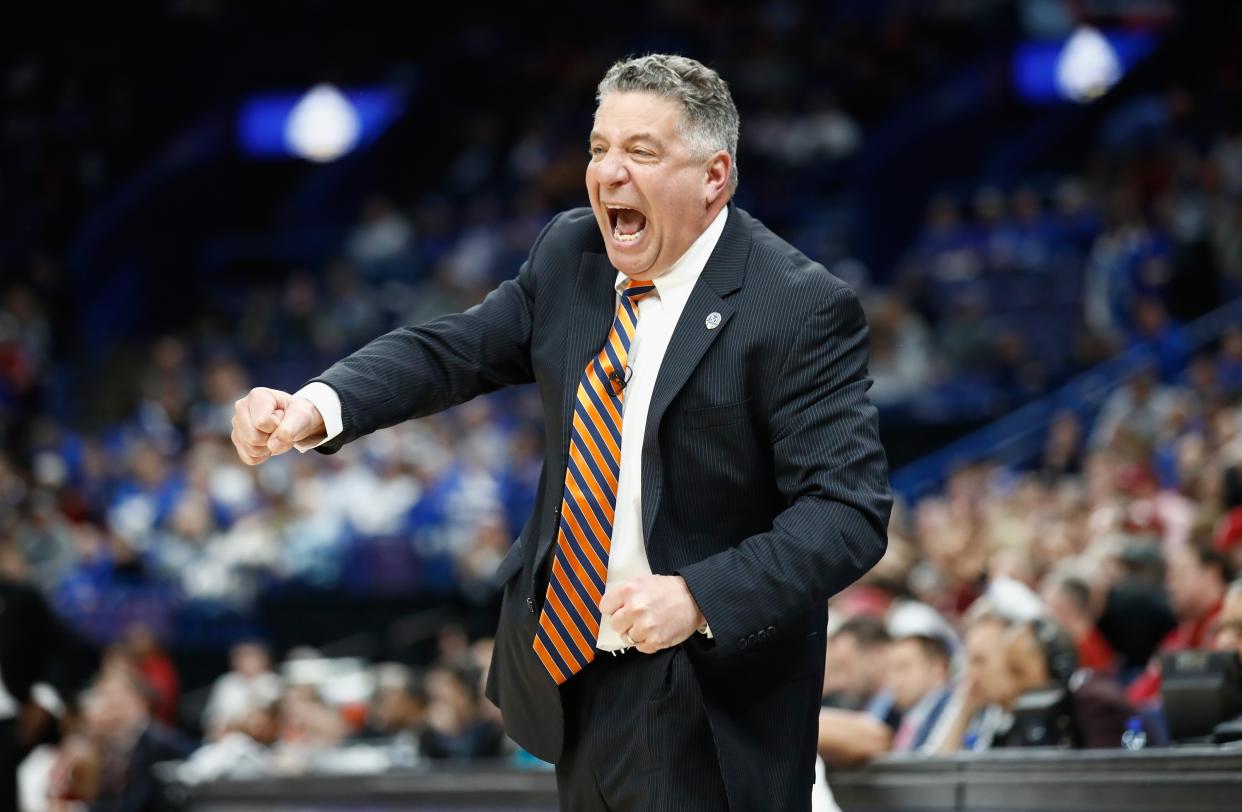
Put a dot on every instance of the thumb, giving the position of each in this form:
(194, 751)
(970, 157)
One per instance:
(267, 407)
(292, 426)
(610, 601)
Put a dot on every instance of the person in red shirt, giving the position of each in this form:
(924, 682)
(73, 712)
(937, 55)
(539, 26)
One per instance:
(157, 669)
(1069, 602)
(1228, 636)
(1196, 578)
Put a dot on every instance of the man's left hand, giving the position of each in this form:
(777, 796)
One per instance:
(655, 611)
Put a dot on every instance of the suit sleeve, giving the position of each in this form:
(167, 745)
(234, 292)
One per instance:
(416, 371)
(831, 468)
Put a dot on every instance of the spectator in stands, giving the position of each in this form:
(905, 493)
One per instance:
(1136, 614)
(307, 722)
(1196, 579)
(1228, 635)
(1164, 339)
(1084, 709)
(157, 669)
(918, 677)
(1063, 451)
(980, 713)
(1229, 364)
(129, 742)
(855, 669)
(399, 705)
(1134, 413)
(901, 363)
(1069, 603)
(249, 687)
(457, 727)
(1227, 537)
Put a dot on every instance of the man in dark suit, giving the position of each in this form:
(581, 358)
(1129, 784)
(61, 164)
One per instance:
(35, 647)
(712, 471)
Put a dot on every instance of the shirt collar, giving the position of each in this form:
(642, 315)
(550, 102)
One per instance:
(690, 264)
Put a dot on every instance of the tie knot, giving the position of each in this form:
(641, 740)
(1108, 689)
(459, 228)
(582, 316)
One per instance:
(637, 290)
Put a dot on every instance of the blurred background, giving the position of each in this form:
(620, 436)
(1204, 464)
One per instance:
(1039, 201)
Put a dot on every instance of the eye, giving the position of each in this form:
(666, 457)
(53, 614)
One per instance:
(596, 149)
(644, 153)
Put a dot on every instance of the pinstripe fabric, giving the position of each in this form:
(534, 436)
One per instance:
(654, 704)
(763, 484)
(569, 622)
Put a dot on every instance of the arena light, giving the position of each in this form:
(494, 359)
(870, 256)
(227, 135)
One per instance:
(1080, 68)
(321, 124)
(1088, 66)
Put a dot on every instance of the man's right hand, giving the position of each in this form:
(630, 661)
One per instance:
(268, 422)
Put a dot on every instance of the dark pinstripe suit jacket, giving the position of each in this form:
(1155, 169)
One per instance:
(763, 480)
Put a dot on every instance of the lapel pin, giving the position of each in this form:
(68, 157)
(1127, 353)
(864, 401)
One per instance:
(713, 320)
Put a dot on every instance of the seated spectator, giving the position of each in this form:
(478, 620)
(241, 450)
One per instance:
(249, 687)
(1228, 636)
(157, 669)
(1136, 615)
(1084, 709)
(1069, 603)
(980, 711)
(919, 666)
(1134, 413)
(852, 674)
(855, 669)
(457, 727)
(307, 721)
(399, 705)
(129, 742)
(1196, 580)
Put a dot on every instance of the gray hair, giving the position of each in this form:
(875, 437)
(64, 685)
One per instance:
(709, 120)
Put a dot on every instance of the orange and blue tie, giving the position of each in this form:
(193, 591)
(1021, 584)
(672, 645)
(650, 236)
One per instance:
(569, 623)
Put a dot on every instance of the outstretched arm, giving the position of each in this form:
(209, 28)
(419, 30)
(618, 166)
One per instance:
(406, 373)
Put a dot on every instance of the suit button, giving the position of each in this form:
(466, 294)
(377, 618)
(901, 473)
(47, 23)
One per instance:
(750, 639)
(741, 642)
(530, 604)
(762, 635)
(771, 630)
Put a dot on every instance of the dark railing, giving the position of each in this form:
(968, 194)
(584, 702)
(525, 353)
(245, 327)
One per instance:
(1192, 779)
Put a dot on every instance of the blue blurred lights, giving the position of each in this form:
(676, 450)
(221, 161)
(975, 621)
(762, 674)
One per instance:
(321, 125)
(1081, 68)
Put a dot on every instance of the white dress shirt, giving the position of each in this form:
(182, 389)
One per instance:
(658, 313)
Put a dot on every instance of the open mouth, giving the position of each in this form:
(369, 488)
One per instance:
(627, 224)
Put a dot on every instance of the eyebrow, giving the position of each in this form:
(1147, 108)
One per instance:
(643, 136)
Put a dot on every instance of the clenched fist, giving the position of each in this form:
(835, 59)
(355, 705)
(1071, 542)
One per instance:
(268, 422)
(653, 611)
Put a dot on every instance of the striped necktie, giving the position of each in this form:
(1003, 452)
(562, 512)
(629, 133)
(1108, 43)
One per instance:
(569, 623)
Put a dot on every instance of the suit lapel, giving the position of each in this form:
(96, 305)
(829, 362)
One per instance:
(691, 339)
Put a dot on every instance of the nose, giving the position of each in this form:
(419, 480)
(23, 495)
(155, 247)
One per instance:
(612, 170)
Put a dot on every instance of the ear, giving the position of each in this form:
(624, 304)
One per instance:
(719, 168)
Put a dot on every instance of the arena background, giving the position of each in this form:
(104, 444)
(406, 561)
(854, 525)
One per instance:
(1040, 203)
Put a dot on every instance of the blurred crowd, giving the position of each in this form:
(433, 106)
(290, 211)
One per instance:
(1058, 591)
(124, 503)
(122, 740)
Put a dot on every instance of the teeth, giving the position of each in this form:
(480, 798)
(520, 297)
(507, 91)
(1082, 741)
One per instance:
(616, 233)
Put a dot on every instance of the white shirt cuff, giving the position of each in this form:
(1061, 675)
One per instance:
(328, 403)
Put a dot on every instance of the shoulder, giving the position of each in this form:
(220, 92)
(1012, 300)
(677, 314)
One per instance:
(571, 230)
(777, 270)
